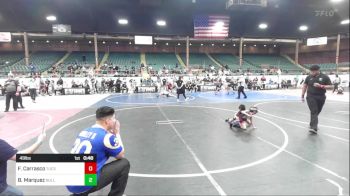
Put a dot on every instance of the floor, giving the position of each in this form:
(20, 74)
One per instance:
(186, 148)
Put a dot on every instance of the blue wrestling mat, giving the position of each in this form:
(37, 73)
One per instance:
(200, 97)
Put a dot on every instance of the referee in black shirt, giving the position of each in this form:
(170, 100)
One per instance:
(315, 84)
(181, 89)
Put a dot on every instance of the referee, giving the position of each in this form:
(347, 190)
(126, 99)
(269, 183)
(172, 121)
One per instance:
(12, 91)
(180, 85)
(315, 84)
(241, 90)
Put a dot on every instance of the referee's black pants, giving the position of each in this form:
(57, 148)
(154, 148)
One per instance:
(9, 96)
(181, 91)
(32, 92)
(241, 90)
(315, 104)
(19, 101)
(115, 172)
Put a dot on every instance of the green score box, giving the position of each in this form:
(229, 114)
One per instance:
(90, 180)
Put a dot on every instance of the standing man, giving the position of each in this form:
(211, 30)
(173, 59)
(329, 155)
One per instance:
(60, 86)
(241, 90)
(33, 85)
(336, 82)
(11, 88)
(180, 89)
(7, 152)
(21, 89)
(103, 139)
(315, 84)
(241, 82)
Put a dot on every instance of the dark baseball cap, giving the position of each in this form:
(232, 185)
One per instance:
(314, 68)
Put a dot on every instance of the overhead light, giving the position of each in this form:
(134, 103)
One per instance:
(234, 45)
(274, 46)
(344, 22)
(212, 44)
(123, 21)
(51, 18)
(76, 41)
(201, 44)
(265, 45)
(47, 41)
(161, 23)
(178, 44)
(254, 45)
(336, 1)
(117, 43)
(7, 62)
(18, 41)
(103, 42)
(33, 41)
(223, 44)
(303, 28)
(166, 43)
(155, 43)
(190, 44)
(89, 42)
(244, 45)
(129, 43)
(61, 41)
(263, 26)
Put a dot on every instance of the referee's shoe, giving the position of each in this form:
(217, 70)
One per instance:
(313, 131)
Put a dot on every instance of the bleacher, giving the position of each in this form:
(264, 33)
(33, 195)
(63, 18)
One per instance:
(198, 60)
(41, 60)
(325, 59)
(323, 66)
(9, 58)
(124, 59)
(157, 60)
(271, 61)
(344, 57)
(233, 62)
(78, 59)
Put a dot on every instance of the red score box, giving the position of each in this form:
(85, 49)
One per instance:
(90, 168)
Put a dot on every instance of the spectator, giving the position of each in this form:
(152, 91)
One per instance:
(33, 86)
(7, 152)
(336, 83)
(2, 90)
(263, 82)
(19, 97)
(32, 69)
(124, 88)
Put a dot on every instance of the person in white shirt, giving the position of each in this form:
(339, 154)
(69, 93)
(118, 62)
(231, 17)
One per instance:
(336, 83)
(33, 86)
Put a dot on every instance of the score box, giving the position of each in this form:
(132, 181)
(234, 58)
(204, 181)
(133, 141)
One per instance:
(56, 170)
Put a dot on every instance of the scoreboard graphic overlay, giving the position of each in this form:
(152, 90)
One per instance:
(56, 169)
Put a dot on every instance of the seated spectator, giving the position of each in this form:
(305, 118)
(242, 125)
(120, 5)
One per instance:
(124, 88)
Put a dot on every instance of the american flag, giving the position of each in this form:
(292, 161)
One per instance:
(212, 26)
